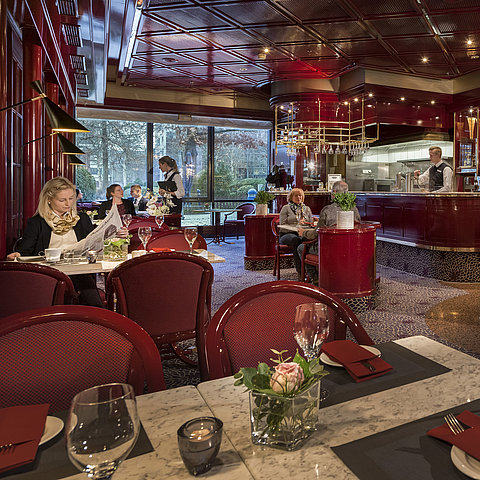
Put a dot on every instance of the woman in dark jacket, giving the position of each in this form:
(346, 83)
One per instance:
(115, 194)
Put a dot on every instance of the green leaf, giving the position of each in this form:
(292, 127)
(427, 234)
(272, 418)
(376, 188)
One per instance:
(264, 369)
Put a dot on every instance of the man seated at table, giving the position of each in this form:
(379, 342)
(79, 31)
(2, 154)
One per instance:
(139, 201)
(327, 218)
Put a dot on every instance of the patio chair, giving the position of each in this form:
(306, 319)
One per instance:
(50, 354)
(261, 317)
(169, 295)
(24, 286)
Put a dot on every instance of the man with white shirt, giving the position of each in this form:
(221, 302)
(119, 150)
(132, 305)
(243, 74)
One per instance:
(139, 201)
(438, 178)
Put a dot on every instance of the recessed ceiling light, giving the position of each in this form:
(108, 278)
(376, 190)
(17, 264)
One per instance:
(432, 101)
(345, 103)
(402, 99)
(424, 59)
(355, 99)
(266, 50)
(243, 69)
(370, 94)
(469, 42)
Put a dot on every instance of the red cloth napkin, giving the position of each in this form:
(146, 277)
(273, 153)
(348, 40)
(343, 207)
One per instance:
(22, 426)
(350, 355)
(468, 441)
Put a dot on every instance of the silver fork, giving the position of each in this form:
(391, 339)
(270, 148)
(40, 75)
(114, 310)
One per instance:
(453, 424)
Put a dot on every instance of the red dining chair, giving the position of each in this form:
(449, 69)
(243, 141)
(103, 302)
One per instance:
(138, 222)
(261, 317)
(308, 258)
(175, 239)
(237, 223)
(50, 354)
(24, 286)
(281, 251)
(169, 294)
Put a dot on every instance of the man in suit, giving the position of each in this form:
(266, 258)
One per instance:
(139, 201)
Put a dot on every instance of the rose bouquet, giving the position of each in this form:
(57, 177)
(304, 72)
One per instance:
(284, 402)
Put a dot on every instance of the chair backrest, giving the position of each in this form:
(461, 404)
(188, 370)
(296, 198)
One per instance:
(135, 242)
(169, 294)
(274, 225)
(24, 286)
(261, 317)
(245, 209)
(48, 355)
(175, 239)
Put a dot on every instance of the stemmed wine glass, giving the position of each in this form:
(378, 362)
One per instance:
(102, 428)
(159, 219)
(144, 234)
(127, 219)
(190, 236)
(310, 329)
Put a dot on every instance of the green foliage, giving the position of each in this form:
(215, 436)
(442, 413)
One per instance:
(345, 200)
(263, 197)
(86, 183)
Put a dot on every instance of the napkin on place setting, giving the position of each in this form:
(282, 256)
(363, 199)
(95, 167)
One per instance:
(468, 441)
(23, 427)
(351, 356)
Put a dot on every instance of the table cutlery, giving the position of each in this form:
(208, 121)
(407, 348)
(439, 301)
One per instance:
(453, 424)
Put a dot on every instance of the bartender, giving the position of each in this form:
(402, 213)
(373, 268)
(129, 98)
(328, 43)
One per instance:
(438, 178)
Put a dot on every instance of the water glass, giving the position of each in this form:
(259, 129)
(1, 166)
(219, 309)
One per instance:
(144, 234)
(102, 428)
(199, 442)
(159, 219)
(190, 236)
(68, 256)
(311, 328)
(127, 219)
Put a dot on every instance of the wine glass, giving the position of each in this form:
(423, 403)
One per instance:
(310, 328)
(159, 219)
(190, 236)
(102, 428)
(127, 219)
(144, 234)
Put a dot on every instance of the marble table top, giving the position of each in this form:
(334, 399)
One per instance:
(163, 412)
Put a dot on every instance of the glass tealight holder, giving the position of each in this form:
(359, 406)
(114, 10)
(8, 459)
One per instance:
(199, 442)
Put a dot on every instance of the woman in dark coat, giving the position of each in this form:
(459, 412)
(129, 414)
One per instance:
(115, 194)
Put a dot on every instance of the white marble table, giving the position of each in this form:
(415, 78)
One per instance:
(346, 421)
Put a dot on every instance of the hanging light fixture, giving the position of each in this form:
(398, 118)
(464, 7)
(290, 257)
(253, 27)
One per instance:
(73, 160)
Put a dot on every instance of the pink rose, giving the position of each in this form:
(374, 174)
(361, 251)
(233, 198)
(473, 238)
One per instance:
(287, 378)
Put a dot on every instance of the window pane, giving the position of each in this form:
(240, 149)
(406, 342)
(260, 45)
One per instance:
(187, 145)
(241, 162)
(115, 153)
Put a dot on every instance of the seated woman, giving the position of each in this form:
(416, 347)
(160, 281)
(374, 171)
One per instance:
(56, 224)
(295, 214)
(114, 195)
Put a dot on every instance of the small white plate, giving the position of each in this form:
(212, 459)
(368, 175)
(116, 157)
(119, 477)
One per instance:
(53, 426)
(328, 361)
(465, 463)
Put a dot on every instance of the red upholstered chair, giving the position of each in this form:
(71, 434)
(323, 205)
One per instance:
(50, 354)
(280, 250)
(244, 209)
(175, 239)
(261, 317)
(24, 286)
(169, 295)
(135, 242)
(308, 258)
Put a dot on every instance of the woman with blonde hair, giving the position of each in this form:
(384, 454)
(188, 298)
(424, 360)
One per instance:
(57, 224)
(294, 214)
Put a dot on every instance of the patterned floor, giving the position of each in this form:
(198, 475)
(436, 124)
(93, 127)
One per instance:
(407, 305)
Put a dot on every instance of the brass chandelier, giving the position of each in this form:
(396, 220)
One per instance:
(333, 128)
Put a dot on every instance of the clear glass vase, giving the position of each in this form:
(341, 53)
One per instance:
(115, 250)
(284, 422)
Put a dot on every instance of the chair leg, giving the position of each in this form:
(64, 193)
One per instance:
(182, 353)
(278, 266)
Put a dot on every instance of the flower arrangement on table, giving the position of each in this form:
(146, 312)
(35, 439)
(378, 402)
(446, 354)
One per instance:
(158, 207)
(116, 248)
(284, 402)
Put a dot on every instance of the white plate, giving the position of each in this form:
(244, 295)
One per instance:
(53, 426)
(328, 361)
(465, 463)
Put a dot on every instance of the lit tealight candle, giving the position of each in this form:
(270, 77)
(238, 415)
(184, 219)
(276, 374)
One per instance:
(199, 435)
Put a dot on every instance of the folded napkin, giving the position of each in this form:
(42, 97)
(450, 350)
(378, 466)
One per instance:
(23, 427)
(468, 441)
(351, 356)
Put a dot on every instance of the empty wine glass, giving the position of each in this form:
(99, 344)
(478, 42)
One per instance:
(144, 234)
(102, 428)
(190, 236)
(311, 328)
(127, 219)
(159, 219)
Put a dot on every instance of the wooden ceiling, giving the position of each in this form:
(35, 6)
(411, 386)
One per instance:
(213, 46)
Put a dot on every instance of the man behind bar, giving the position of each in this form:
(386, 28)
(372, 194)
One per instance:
(438, 178)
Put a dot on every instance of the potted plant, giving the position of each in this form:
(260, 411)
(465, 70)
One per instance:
(261, 199)
(347, 202)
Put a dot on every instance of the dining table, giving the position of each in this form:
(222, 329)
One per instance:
(370, 430)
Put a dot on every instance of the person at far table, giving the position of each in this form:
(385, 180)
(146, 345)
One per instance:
(115, 194)
(438, 177)
(138, 200)
(169, 167)
(57, 224)
(295, 214)
(327, 218)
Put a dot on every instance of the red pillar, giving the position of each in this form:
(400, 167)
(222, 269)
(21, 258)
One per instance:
(3, 130)
(51, 144)
(32, 126)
